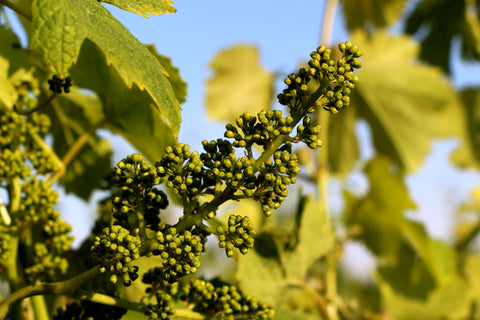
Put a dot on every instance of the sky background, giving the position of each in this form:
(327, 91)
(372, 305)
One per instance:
(285, 32)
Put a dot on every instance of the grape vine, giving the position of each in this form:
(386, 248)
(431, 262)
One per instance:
(255, 161)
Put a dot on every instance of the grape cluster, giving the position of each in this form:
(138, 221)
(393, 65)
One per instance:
(37, 201)
(57, 84)
(87, 310)
(114, 250)
(239, 234)
(224, 302)
(138, 202)
(337, 75)
(221, 163)
(24, 158)
(180, 252)
(308, 133)
(46, 264)
(182, 169)
(4, 247)
(163, 308)
(155, 279)
(259, 130)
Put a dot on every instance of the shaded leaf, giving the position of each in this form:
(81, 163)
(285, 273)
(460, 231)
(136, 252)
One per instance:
(128, 112)
(61, 26)
(410, 261)
(239, 84)
(380, 212)
(447, 302)
(367, 13)
(439, 22)
(73, 119)
(468, 155)
(144, 7)
(403, 112)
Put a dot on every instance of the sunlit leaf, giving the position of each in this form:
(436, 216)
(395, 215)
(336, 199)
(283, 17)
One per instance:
(367, 13)
(61, 26)
(179, 86)
(11, 59)
(401, 99)
(260, 277)
(342, 142)
(450, 301)
(315, 239)
(144, 7)
(239, 84)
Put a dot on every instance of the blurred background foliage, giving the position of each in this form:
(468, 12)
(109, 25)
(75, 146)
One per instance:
(407, 99)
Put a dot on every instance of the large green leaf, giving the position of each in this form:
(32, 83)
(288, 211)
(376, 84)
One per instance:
(144, 7)
(239, 84)
(61, 26)
(279, 265)
(364, 14)
(439, 22)
(402, 100)
(128, 112)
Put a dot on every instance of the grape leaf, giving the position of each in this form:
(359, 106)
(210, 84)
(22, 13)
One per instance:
(72, 118)
(128, 112)
(379, 13)
(453, 300)
(179, 86)
(468, 154)
(144, 7)
(61, 26)
(380, 212)
(315, 239)
(439, 22)
(410, 261)
(402, 101)
(239, 84)
(342, 142)
(260, 277)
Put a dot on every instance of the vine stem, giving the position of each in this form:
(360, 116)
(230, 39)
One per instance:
(323, 173)
(135, 306)
(66, 287)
